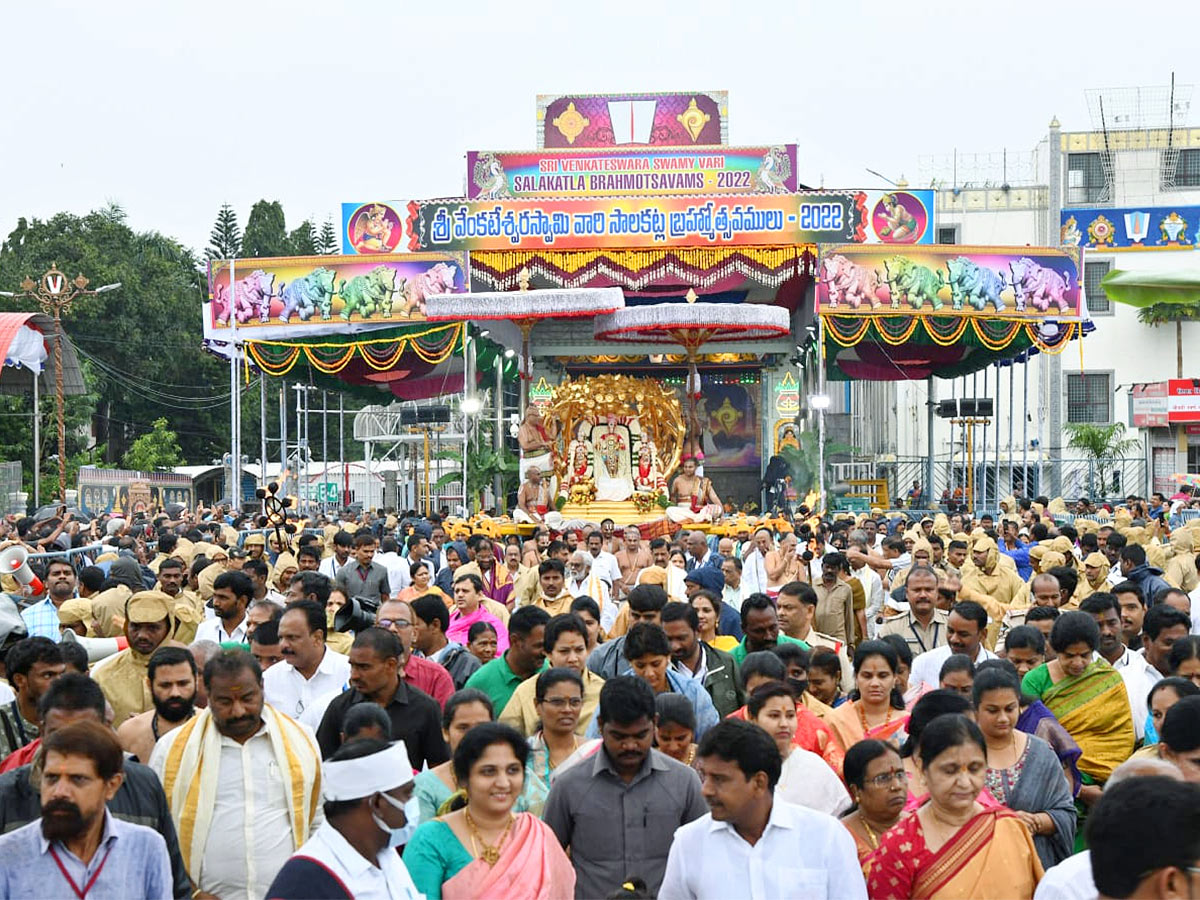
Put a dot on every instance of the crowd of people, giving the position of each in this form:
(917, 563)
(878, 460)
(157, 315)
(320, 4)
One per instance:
(383, 706)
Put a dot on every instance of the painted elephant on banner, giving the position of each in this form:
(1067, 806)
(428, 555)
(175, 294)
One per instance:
(851, 284)
(221, 306)
(974, 284)
(1039, 286)
(438, 280)
(253, 296)
(916, 284)
(304, 296)
(369, 294)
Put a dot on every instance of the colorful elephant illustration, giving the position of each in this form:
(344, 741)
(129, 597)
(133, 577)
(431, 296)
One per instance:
(253, 296)
(438, 280)
(974, 284)
(220, 303)
(916, 284)
(849, 283)
(1039, 285)
(368, 294)
(306, 295)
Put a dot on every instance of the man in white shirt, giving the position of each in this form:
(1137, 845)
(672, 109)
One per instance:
(869, 579)
(733, 592)
(966, 627)
(368, 788)
(399, 576)
(1071, 879)
(584, 581)
(231, 595)
(754, 565)
(343, 544)
(310, 671)
(751, 844)
(244, 778)
(604, 564)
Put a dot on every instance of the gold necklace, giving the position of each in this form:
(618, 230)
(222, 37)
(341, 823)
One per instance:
(489, 853)
(872, 837)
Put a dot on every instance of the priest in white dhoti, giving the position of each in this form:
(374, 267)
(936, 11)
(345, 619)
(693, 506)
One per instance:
(536, 438)
(693, 498)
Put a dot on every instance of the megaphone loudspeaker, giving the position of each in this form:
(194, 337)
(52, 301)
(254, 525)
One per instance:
(15, 562)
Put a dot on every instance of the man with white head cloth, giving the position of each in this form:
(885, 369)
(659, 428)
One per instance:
(369, 810)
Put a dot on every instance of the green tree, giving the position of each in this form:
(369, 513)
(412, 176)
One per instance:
(484, 464)
(266, 231)
(141, 346)
(1104, 446)
(327, 240)
(225, 240)
(303, 240)
(805, 462)
(157, 449)
(1163, 313)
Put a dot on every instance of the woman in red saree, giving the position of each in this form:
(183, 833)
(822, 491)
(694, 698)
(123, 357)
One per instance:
(483, 851)
(952, 847)
(875, 709)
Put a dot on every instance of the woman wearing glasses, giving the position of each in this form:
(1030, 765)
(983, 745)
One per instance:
(558, 699)
(878, 785)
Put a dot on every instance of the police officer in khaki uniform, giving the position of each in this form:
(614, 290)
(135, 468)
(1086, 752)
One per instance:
(923, 627)
(149, 623)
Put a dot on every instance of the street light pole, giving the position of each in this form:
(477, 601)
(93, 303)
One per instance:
(54, 294)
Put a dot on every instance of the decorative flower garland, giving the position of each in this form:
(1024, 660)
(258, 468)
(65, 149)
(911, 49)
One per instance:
(699, 267)
(433, 345)
(993, 334)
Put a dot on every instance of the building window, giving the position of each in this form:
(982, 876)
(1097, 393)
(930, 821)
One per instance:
(1089, 398)
(1187, 169)
(1086, 182)
(1097, 301)
(947, 234)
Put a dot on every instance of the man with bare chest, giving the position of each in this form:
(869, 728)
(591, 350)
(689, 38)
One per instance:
(172, 676)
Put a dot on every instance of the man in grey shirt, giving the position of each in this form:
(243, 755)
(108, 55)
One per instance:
(617, 811)
(362, 577)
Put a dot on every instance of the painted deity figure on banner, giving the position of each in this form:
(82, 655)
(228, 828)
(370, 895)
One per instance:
(693, 498)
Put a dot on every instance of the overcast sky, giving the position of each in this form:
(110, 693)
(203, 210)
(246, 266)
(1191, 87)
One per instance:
(172, 108)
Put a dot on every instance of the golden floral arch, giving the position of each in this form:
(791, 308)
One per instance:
(593, 399)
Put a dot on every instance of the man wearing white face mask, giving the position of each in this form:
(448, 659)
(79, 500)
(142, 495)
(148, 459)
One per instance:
(369, 810)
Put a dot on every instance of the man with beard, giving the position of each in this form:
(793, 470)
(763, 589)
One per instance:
(231, 595)
(148, 623)
(172, 676)
(245, 780)
(41, 619)
(139, 799)
(71, 846)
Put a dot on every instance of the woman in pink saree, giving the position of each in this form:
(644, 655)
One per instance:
(484, 851)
